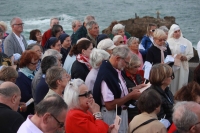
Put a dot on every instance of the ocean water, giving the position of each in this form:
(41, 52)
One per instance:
(37, 13)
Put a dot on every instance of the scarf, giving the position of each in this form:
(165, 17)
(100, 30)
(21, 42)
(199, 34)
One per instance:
(162, 49)
(30, 74)
(82, 59)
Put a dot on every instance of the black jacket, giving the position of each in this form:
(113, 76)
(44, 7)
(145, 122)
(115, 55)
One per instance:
(10, 120)
(167, 103)
(79, 70)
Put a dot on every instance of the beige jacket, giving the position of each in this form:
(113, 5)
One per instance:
(153, 127)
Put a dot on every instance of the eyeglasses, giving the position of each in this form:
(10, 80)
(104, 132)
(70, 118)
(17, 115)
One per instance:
(21, 24)
(34, 63)
(152, 30)
(172, 76)
(122, 42)
(61, 124)
(194, 125)
(86, 94)
(160, 40)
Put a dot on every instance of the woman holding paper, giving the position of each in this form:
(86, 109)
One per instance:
(182, 50)
(84, 114)
(159, 50)
(160, 77)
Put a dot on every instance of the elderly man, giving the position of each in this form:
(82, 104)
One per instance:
(76, 24)
(57, 79)
(10, 119)
(186, 117)
(82, 31)
(118, 40)
(49, 116)
(15, 42)
(92, 32)
(112, 87)
(47, 34)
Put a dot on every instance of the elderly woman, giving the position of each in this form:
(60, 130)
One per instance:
(147, 39)
(53, 43)
(107, 45)
(81, 66)
(149, 104)
(158, 51)
(118, 29)
(182, 49)
(35, 37)
(79, 119)
(133, 44)
(160, 78)
(57, 78)
(8, 73)
(27, 65)
(133, 78)
(96, 58)
(4, 27)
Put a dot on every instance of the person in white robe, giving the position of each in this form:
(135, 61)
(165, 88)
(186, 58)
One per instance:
(182, 50)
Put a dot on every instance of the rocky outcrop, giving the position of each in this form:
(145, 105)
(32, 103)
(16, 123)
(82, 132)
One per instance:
(137, 26)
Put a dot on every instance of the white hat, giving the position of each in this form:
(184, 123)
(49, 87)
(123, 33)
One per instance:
(106, 44)
(17, 56)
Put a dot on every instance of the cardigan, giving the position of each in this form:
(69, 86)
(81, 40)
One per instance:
(78, 121)
(45, 37)
(108, 74)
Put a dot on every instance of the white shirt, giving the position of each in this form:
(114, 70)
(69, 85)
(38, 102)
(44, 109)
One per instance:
(198, 48)
(20, 41)
(29, 127)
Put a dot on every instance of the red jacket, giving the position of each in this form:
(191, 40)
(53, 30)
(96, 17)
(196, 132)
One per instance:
(46, 36)
(78, 121)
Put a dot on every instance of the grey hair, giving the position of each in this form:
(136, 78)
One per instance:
(121, 51)
(74, 23)
(90, 24)
(164, 28)
(53, 74)
(53, 104)
(89, 18)
(71, 93)
(97, 56)
(131, 39)
(53, 52)
(116, 28)
(30, 47)
(184, 116)
(116, 37)
(12, 21)
(134, 61)
(2, 23)
(9, 91)
(158, 33)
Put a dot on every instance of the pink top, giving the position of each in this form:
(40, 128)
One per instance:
(140, 57)
(125, 39)
(106, 92)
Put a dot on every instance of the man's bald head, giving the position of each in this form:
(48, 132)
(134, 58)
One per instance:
(8, 89)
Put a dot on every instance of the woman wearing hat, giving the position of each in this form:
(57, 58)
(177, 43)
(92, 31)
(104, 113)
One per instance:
(182, 49)
(65, 40)
(53, 43)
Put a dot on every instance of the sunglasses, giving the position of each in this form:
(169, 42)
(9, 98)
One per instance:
(61, 124)
(152, 30)
(172, 76)
(122, 42)
(86, 94)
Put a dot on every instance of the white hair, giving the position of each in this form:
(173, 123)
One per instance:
(2, 23)
(74, 23)
(164, 28)
(89, 18)
(116, 28)
(122, 51)
(53, 52)
(90, 24)
(158, 33)
(115, 38)
(97, 56)
(131, 39)
(184, 115)
(71, 93)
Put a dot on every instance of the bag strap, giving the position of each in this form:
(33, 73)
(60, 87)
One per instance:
(144, 123)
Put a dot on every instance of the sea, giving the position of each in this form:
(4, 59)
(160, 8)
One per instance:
(36, 14)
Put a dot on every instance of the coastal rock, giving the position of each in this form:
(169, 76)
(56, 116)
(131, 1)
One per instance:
(137, 26)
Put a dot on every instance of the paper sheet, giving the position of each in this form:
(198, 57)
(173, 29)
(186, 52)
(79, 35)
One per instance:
(169, 59)
(147, 67)
(144, 88)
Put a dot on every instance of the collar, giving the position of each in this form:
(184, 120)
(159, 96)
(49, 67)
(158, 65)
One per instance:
(92, 37)
(18, 38)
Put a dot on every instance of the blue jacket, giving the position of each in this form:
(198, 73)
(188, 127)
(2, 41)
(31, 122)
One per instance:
(146, 43)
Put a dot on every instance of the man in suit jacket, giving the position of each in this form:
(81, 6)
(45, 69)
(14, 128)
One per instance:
(15, 42)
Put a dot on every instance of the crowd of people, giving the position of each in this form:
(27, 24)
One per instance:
(89, 82)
